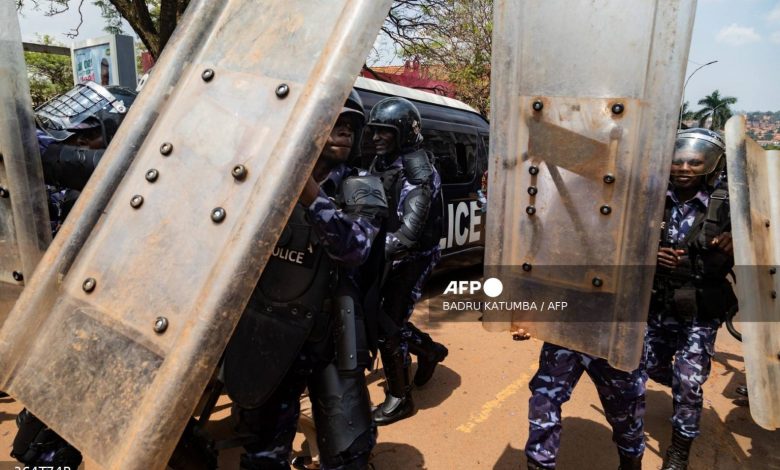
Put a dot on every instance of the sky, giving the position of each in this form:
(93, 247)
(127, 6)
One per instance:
(743, 36)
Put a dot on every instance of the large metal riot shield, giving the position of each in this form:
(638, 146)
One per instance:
(584, 99)
(754, 198)
(24, 229)
(136, 299)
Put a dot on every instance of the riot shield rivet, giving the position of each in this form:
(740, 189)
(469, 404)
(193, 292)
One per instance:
(269, 309)
(207, 75)
(773, 271)
(136, 201)
(597, 282)
(160, 325)
(218, 214)
(308, 314)
(89, 284)
(605, 209)
(18, 277)
(151, 175)
(530, 210)
(532, 190)
(294, 311)
(239, 172)
(282, 91)
(609, 178)
(4, 192)
(538, 105)
(527, 267)
(618, 108)
(534, 170)
(166, 148)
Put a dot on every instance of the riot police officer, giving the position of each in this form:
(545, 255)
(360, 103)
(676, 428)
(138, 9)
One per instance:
(303, 325)
(691, 293)
(73, 131)
(413, 227)
(621, 394)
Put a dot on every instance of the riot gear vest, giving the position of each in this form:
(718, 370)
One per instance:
(699, 288)
(393, 184)
(297, 300)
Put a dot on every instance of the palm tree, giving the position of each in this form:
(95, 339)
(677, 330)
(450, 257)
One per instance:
(685, 115)
(715, 107)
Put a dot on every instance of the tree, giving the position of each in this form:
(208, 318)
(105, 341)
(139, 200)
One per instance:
(716, 107)
(454, 35)
(686, 114)
(152, 20)
(49, 74)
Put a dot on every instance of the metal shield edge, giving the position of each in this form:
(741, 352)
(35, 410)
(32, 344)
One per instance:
(178, 365)
(754, 197)
(25, 215)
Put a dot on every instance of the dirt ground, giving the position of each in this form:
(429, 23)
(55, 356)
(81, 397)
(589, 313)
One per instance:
(473, 413)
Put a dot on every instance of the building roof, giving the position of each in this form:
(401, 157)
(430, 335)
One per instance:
(410, 93)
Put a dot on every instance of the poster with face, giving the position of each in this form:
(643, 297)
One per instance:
(94, 64)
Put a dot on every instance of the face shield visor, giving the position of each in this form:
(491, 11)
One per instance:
(696, 153)
(76, 109)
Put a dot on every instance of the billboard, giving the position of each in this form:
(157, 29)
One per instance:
(107, 60)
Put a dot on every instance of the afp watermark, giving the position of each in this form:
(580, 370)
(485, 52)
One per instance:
(492, 287)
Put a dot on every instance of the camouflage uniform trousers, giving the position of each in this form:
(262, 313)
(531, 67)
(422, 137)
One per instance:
(678, 354)
(403, 289)
(622, 395)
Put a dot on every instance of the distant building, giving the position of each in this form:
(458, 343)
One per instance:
(413, 75)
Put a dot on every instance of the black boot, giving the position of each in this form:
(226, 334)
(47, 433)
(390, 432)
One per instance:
(677, 453)
(398, 400)
(628, 462)
(429, 353)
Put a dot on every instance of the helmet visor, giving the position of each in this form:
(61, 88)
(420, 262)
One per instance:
(72, 109)
(695, 156)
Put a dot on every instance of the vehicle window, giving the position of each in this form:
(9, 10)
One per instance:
(454, 152)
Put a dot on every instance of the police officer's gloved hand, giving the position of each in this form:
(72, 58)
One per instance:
(395, 250)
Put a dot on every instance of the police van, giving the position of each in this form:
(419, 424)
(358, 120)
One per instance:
(458, 136)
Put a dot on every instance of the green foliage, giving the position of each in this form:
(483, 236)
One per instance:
(453, 36)
(49, 74)
(716, 109)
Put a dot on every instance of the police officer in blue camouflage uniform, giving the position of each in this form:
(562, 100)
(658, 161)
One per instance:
(73, 131)
(413, 230)
(621, 394)
(691, 295)
(303, 326)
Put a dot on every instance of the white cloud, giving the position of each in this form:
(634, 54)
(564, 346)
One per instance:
(774, 15)
(775, 37)
(737, 35)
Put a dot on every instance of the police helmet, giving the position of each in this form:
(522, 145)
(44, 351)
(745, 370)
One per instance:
(353, 107)
(700, 149)
(400, 115)
(85, 106)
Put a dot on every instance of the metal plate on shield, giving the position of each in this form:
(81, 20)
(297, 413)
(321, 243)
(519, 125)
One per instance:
(582, 132)
(138, 296)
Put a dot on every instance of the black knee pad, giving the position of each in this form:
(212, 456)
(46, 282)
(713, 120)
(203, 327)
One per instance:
(34, 440)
